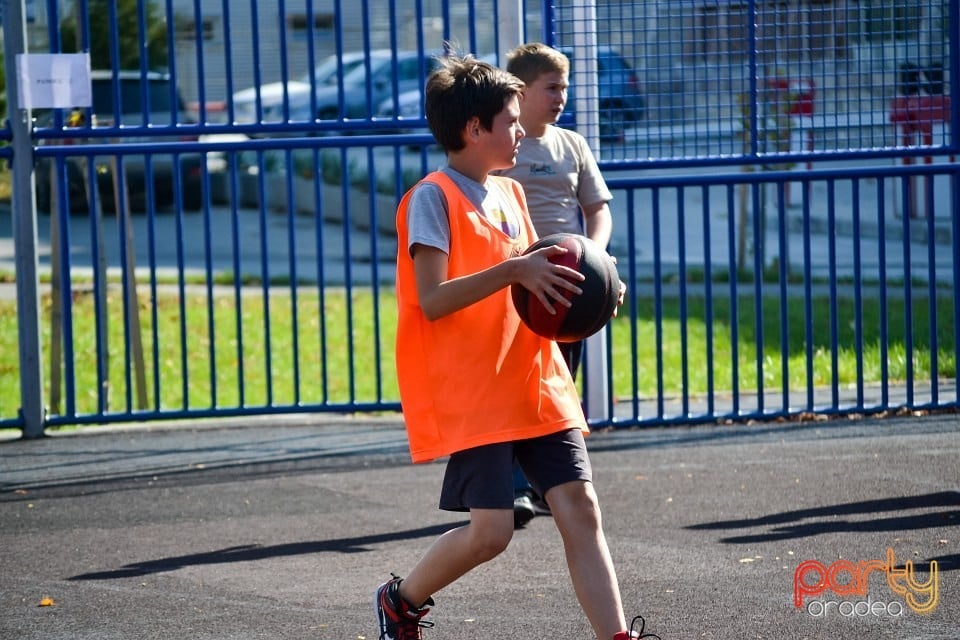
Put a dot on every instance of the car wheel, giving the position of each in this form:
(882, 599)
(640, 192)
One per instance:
(42, 186)
(192, 197)
(191, 182)
(613, 122)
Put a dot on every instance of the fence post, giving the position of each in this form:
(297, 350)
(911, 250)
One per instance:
(511, 32)
(596, 385)
(24, 219)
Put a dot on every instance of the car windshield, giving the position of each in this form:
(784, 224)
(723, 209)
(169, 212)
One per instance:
(326, 73)
(131, 97)
(358, 75)
(611, 63)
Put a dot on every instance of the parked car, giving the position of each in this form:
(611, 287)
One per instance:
(366, 84)
(621, 103)
(620, 98)
(298, 92)
(163, 104)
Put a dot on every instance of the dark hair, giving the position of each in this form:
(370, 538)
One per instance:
(462, 88)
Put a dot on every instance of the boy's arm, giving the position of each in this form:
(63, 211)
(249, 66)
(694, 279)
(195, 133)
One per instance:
(598, 223)
(439, 296)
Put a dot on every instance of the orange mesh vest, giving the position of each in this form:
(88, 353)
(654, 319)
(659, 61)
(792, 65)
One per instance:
(477, 376)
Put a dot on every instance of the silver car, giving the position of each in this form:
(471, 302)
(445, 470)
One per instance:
(367, 81)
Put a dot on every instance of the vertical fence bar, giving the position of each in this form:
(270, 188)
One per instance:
(884, 320)
(633, 289)
(155, 347)
(348, 274)
(858, 290)
(658, 296)
(294, 279)
(321, 277)
(24, 221)
(832, 276)
(955, 241)
(238, 300)
(808, 301)
(758, 193)
(265, 276)
(734, 278)
(708, 297)
(783, 273)
(682, 294)
(907, 293)
(932, 343)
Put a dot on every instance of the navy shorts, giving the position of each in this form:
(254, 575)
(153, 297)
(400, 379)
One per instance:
(482, 477)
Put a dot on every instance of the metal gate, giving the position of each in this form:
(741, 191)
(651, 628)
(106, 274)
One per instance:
(215, 239)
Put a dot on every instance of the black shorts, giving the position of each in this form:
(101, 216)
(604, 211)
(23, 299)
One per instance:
(482, 477)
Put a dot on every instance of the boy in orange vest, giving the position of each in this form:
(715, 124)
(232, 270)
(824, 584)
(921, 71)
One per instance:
(475, 383)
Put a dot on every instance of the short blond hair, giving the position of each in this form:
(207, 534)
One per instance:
(530, 61)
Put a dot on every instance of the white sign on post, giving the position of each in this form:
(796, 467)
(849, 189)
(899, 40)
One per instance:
(54, 80)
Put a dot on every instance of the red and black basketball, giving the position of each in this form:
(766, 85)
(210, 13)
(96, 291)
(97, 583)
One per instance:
(591, 310)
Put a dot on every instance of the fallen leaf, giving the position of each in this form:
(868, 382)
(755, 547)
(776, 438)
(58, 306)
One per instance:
(46, 601)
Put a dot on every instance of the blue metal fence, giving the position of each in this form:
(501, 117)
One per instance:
(785, 193)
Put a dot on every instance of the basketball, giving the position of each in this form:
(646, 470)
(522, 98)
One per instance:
(590, 310)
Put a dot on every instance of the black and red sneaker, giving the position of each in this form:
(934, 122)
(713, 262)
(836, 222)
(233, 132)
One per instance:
(631, 634)
(398, 619)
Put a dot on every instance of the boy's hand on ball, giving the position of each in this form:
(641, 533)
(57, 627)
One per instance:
(623, 289)
(623, 292)
(547, 280)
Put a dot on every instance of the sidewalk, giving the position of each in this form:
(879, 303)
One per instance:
(282, 528)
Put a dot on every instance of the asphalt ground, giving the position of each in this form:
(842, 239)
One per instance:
(282, 528)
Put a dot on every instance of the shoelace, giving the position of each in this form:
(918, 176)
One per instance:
(408, 632)
(640, 633)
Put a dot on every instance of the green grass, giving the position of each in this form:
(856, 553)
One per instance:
(204, 359)
(778, 351)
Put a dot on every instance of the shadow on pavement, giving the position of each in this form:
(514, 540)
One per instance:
(941, 518)
(248, 553)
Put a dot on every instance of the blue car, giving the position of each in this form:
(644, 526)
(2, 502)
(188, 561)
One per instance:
(621, 103)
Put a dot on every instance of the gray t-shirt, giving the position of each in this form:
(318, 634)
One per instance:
(559, 174)
(427, 221)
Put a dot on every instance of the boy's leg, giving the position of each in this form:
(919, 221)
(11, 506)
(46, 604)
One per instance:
(577, 514)
(559, 467)
(458, 551)
(480, 481)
